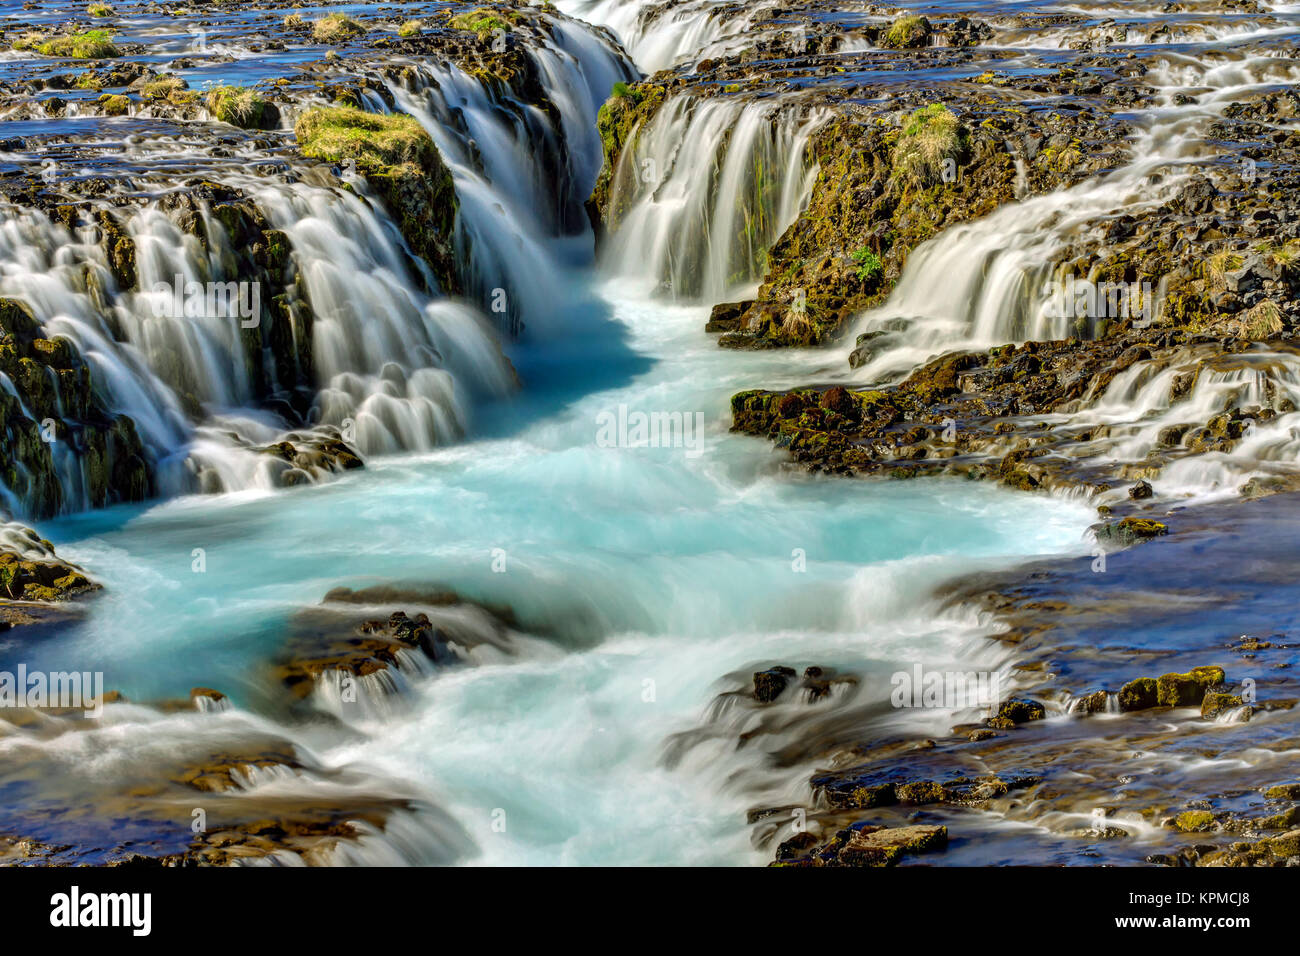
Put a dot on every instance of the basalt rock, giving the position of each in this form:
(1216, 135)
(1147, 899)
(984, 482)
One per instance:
(53, 401)
(864, 845)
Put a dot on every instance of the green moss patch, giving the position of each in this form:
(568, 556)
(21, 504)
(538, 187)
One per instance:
(907, 33)
(89, 45)
(242, 106)
(932, 137)
(481, 21)
(373, 140)
(115, 105)
(335, 28)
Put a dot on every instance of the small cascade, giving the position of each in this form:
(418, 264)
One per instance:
(1249, 399)
(188, 354)
(658, 37)
(238, 373)
(521, 179)
(706, 189)
(993, 281)
(389, 360)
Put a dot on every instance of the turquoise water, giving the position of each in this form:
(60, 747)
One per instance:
(645, 582)
(640, 564)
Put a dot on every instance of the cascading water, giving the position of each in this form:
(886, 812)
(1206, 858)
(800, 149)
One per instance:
(706, 188)
(520, 182)
(991, 281)
(609, 722)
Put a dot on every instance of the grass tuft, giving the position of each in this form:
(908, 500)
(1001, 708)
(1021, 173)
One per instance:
(335, 27)
(376, 141)
(931, 136)
(241, 106)
(89, 45)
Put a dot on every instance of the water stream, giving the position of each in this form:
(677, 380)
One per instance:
(644, 581)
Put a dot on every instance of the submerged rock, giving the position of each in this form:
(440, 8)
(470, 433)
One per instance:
(864, 845)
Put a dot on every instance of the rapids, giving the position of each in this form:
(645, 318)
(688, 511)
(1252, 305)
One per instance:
(644, 581)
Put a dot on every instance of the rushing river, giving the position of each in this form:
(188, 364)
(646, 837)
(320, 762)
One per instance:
(666, 565)
(644, 581)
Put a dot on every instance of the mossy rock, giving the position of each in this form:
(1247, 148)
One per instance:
(1138, 694)
(1194, 821)
(1020, 711)
(771, 683)
(399, 159)
(87, 45)
(1132, 530)
(483, 22)
(920, 792)
(1187, 690)
(242, 106)
(1215, 704)
(880, 847)
(336, 27)
(908, 32)
(115, 105)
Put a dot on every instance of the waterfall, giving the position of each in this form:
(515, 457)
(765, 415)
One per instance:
(521, 181)
(708, 186)
(392, 365)
(348, 343)
(659, 37)
(988, 282)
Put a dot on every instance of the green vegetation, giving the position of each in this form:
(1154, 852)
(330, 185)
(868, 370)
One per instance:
(481, 21)
(931, 138)
(1194, 821)
(906, 33)
(29, 41)
(115, 105)
(624, 92)
(335, 27)
(89, 45)
(166, 87)
(1264, 321)
(89, 81)
(101, 10)
(411, 28)
(869, 263)
(374, 140)
(294, 21)
(241, 106)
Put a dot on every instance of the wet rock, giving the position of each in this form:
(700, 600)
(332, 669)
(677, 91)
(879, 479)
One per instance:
(1139, 694)
(771, 683)
(32, 575)
(1214, 704)
(1194, 821)
(1187, 690)
(1131, 530)
(1018, 711)
(864, 845)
